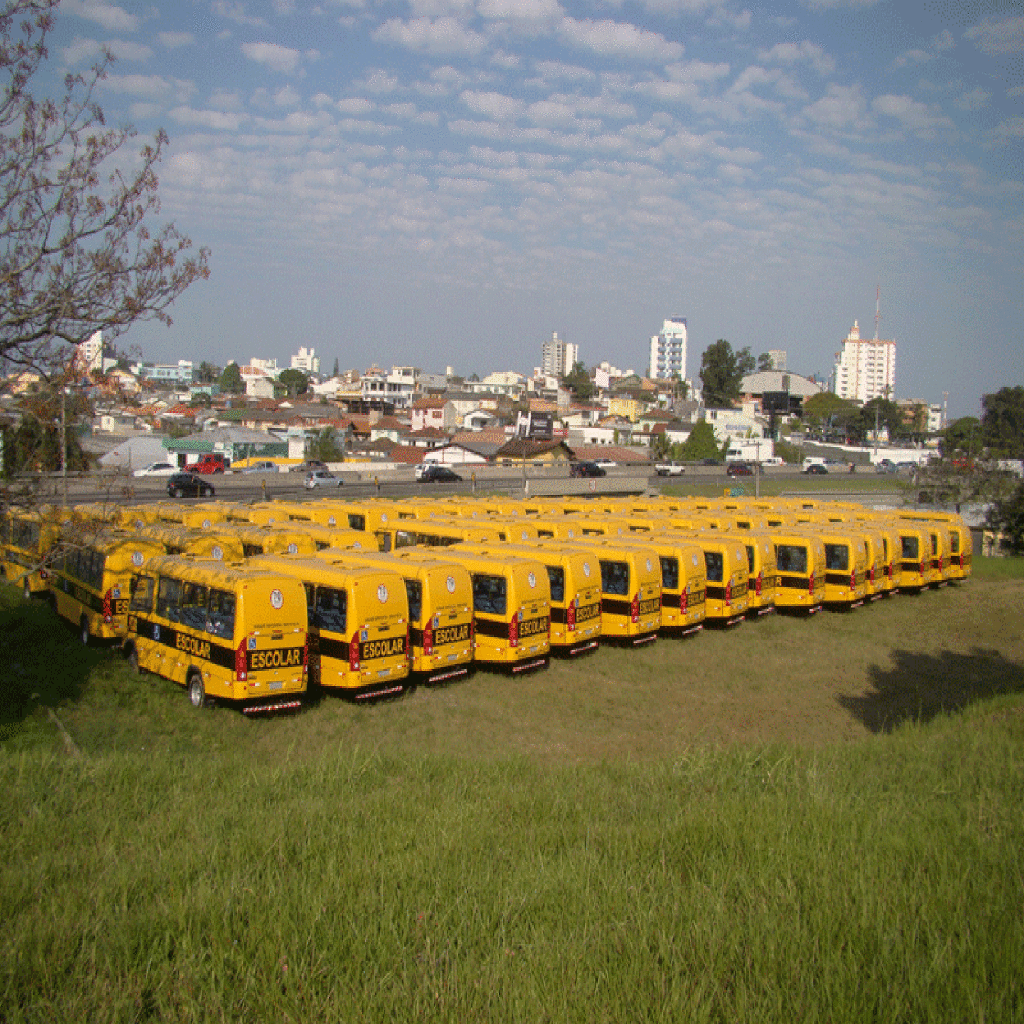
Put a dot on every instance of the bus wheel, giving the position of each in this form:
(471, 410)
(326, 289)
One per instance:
(196, 690)
(133, 661)
(26, 589)
(83, 634)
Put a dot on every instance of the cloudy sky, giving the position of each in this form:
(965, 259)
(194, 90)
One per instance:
(446, 182)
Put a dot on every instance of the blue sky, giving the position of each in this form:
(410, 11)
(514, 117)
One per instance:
(446, 182)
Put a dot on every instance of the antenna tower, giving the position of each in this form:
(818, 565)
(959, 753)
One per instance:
(878, 313)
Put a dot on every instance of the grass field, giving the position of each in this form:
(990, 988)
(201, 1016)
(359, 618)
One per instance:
(794, 820)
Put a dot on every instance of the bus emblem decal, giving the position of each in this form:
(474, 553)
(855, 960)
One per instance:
(382, 594)
(137, 558)
(532, 580)
(276, 598)
(217, 552)
(450, 584)
(586, 569)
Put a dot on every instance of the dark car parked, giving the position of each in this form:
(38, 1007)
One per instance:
(438, 475)
(188, 485)
(586, 469)
(738, 469)
(816, 469)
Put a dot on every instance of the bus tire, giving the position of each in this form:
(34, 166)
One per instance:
(83, 632)
(133, 661)
(196, 690)
(26, 589)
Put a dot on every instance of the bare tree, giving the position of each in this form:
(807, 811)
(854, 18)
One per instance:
(78, 253)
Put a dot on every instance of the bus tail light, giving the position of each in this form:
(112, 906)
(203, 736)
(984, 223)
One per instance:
(428, 637)
(108, 607)
(570, 615)
(513, 632)
(758, 582)
(810, 584)
(353, 652)
(634, 608)
(684, 600)
(920, 568)
(853, 581)
(728, 593)
(241, 665)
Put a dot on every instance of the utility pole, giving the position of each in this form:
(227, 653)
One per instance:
(64, 442)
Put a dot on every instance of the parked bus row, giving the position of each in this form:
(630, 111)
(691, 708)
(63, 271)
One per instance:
(258, 603)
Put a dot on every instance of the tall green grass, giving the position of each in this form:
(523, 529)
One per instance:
(618, 839)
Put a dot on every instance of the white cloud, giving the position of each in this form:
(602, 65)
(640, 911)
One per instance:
(286, 97)
(172, 40)
(494, 105)
(800, 53)
(110, 16)
(354, 106)
(426, 35)
(996, 38)
(273, 56)
(284, 7)
(218, 120)
(831, 4)
(619, 39)
(236, 12)
(913, 114)
(842, 107)
(975, 99)
(520, 10)
(151, 87)
(81, 50)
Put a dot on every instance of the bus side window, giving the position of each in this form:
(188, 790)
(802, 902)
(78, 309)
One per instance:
(356, 522)
(141, 594)
(221, 613)
(405, 539)
(383, 540)
(331, 610)
(193, 605)
(168, 598)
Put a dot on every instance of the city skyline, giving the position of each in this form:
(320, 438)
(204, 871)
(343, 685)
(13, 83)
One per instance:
(446, 182)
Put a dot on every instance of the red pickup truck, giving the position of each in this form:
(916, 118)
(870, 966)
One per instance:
(212, 462)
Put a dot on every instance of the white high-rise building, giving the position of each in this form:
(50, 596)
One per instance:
(558, 356)
(668, 350)
(306, 360)
(865, 368)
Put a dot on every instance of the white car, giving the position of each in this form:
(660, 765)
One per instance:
(605, 463)
(321, 478)
(157, 469)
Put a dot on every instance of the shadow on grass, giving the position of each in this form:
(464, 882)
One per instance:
(41, 660)
(921, 686)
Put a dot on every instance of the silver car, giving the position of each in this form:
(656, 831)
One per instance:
(322, 478)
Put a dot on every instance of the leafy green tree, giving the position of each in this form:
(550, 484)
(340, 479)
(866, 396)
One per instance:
(789, 453)
(79, 251)
(578, 381)
(764, 362)
(294, 382)
(962, 439)
(721, 371)
(231, 380)
(701, 443)
(830, 415)
(1002, 422)
(889, 416)
(207, 373)
(327, 446)
(1006, 516)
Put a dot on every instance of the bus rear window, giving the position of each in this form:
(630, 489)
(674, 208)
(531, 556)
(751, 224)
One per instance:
(489, 594)
(414, 592)
(954, 543)
(615, 578)
(714, 562)
(141, 594)
(356, 521)
(910, 548)
(670, 573)
(791, 558)
(330, 611)
(837, 557)
(556, 577)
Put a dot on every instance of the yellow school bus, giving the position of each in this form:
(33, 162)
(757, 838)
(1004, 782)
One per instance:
(440, 598)
(358, 621)
(762, 576)
(27, 537)
(268, 540)
(630, 586)
(89, 580)
(511, 607)
(223, 632)
(178, 540)
(574, 578)
(725, 562)
(683, 580)
(800, 570)
(915, 553)
(846, 563)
